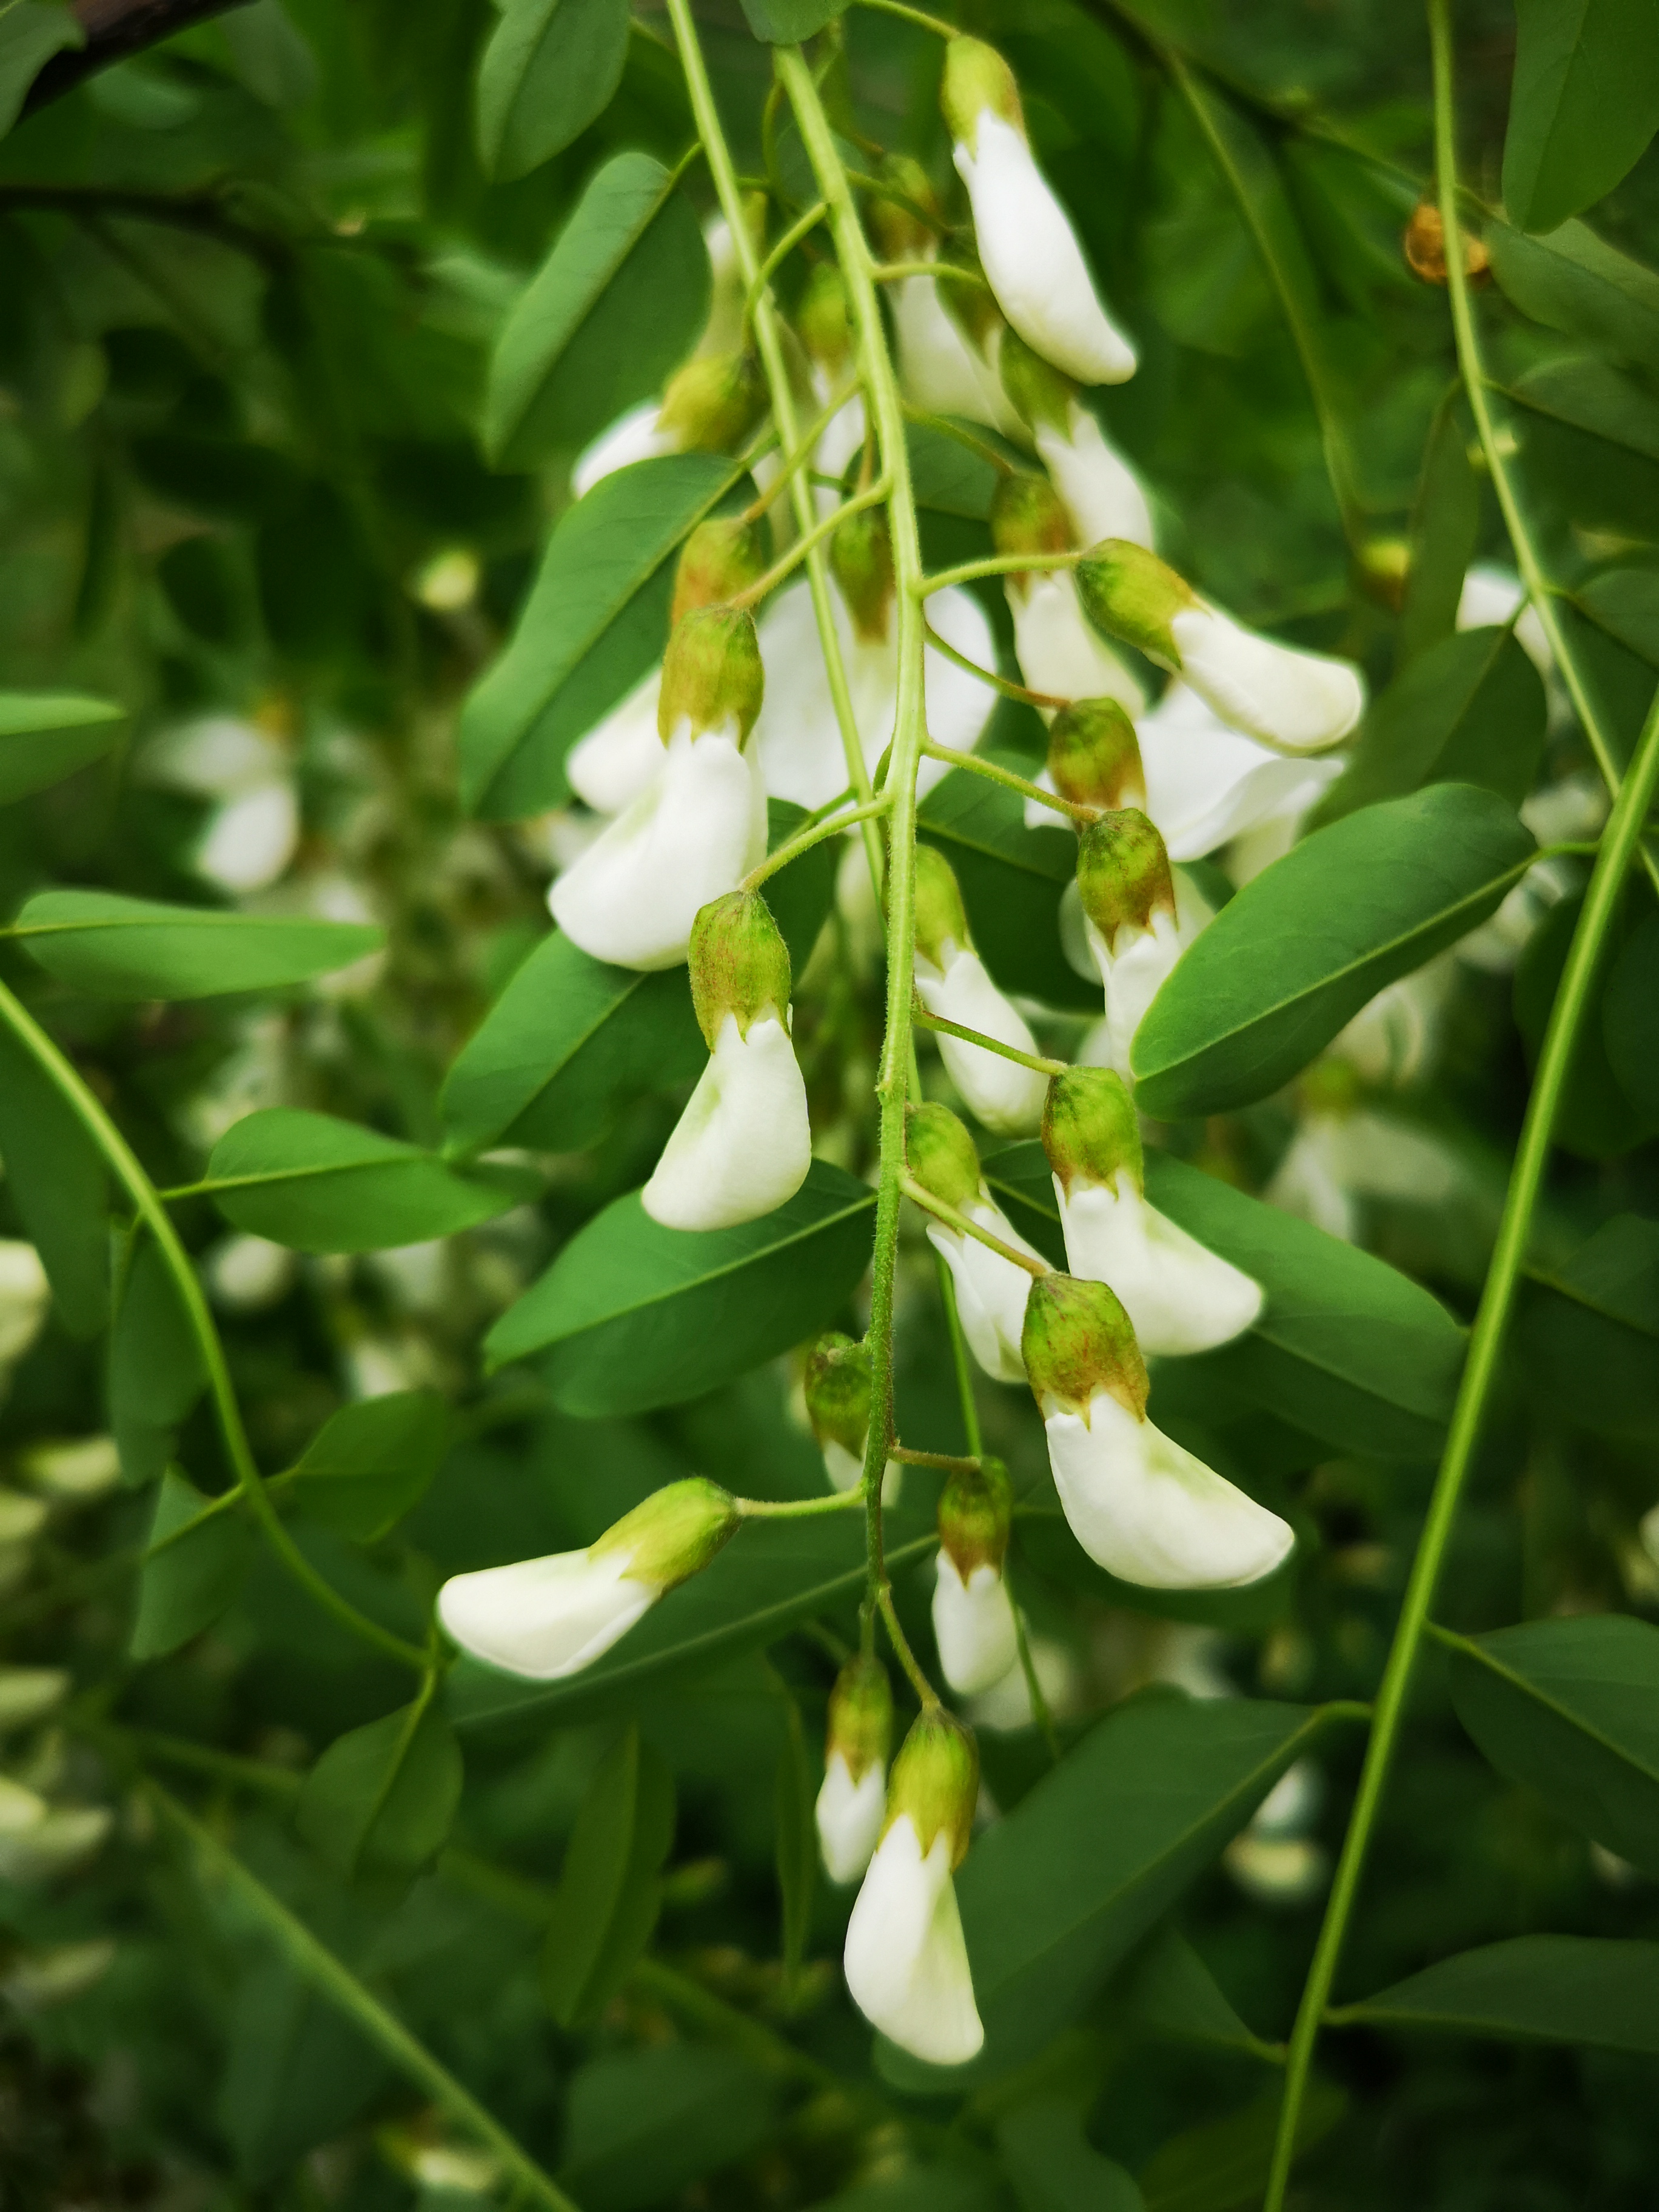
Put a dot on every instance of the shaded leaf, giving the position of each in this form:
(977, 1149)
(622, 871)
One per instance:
(1056, 2168)
(1172, 1993)
(1534, 1988)
(552, 67)
(45, 736)
(31, 32)
(796, 1845)
(1445, 523)
(156, 1373)
(1469, 709)
(128, 948)
(1576, 281)
(198, 1562)
(370, 1461)
(57, 1183)
(1596, 1118)
(1592, 395)
(641, 2125)
(1625, 603)
(1616, 1273)
(297, 2071)
(1223, 2163)
(1584, 103)
(610, 1889)
(379, 1802)
(1630, 1019)
(787, 22)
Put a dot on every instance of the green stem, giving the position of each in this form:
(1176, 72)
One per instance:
(1040, 1712)
(795, 1509)
(123, 1163)
(803, 547)
(948, 1214)
(977, 765)
(789, 464)
(1005, 684)
(804, 840)
(1572, 998)
(900, 1644)
(961, 1358)
(892, 272)
(923, 1019)
(996, 564)
(318, 1965)
(779, 253)
(949, 1462)
(936, 24)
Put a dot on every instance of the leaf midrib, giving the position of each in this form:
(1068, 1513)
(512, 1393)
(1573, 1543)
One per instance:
(1472, 1648)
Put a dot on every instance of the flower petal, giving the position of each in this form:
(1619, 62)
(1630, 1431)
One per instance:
(744, 1144)
(1057, 650)
(1180, 1296)
(906, 1961)
(620, 756)
(1206, 783)
(1001, 1093)
(973, 1627)
(991, 1291)
(546, 1618)
(1100, 491)
(1297, 701)
(850, 1817)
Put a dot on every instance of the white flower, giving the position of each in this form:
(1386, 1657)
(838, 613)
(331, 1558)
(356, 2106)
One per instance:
(245, 1274)
(1489, 598)
(942, 371)
(1133, 970)
(24, 1296)
(1207, 783)
(973, 1625)
(1335, 1159)
(694, 832)
(28, 1693)
(1006, 1706)
(744, 1144)
(846, 1471)
(1296, 701)
(849, 1816)
(620, 756)
(991, 1291)
(906, 1961)
(72, 1470)
(1002, 1094)
(1149, 1513)
(1058, 650)
(1101, 493)
(546, 1618)
(635, 436)
(1180, 1296)
(1032, 256)
(253, 832)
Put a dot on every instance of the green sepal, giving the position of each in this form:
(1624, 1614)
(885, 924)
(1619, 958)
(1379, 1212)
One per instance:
(940, 1154)
(714, 403)
(976, 77)
(739, 964)
(1077, 1340)
(900, 233)
(675, 1533)
(1039, 393)
(720, 559)
(935, 1779)
(1123, 872)
(1091, 1131)
(975, 1512)
(861, 556)
(712, 673)
(1027, 517)
(1127, 593)
(1094, 755)
(941, 918)
(860, 1722)
(838, 1391)
(823, 320)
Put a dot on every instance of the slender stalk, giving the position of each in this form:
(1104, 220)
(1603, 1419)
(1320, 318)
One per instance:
(791, 463)
(919, 1196)
(1005, 684)
(827, 526)
(1572, 998)
(319, 1967)
(900, 1644)
(123, 1163)
(961, 1359)
(996, 564)
(949, 1462)
(804, 840)
(891, 272)
(977, 765)
(795, 1509)
(924, 1020)
(779, 253)
(1040, 1712)
(936, 24)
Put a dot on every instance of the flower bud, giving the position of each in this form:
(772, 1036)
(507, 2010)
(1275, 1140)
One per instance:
(822, 318)
(1091, 1132)
(975, 1511)
(1128, 592)
(739, 964)
(941, 919)
(977, 81)
(952, 982)
(935, 1781)
(712, 403)
(1094, 757)
(904, 227)
(720, 558)
(838, 1386)
(860, 1723)
(1027, 517)
(673, 1533)
(1077, 1342)
(1123, 873)
(941, 1155)
(1038, 392)
(851, 1805)
(862, 558)
(712, 677)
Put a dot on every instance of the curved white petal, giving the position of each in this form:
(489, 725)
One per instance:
(1134, 973)
(1001, 1093)
(1206, 783)
(1100, 492)
(632, 437)
(906, 1961)
(219, 757)
(973, 1627)
(619, 757)
(991, 1291)
(1296, 701)
(25, 1294)
(1181, 1297)
(544, 1618)
(796, 743)
(1149, 1513)
(744, 1144)
(1032, 260)
(251, 839)
(941, 371)
(850, 1817)
(1058, 651)
(692, 834)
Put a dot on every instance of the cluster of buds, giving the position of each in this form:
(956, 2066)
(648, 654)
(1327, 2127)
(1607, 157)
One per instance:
(951, 983)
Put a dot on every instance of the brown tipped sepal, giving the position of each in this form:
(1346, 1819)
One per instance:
(739, 964)
(861, 556)
(941, 1155)
(714, 403)
(720, 559)
(1123, 873)
(1128, 592)
(838, 1390)
(935, 1779)
(1078, 1341)
(1094, 755)
(1091, 1131)
(712, 673)
(975, 1509)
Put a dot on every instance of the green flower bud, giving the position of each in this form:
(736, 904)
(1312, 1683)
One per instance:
(838, 1388)
(1027, 517)
(1094, 755)
(976, 77)
(823, 320)
(1078, 1340)
(860, 1716)
(941, 1154)
(902, 232)
(1128, 592)
(739, 964)
(940, 919)
(674, 1533)
(1090, 1129)
(935, 1779)
(1123, 873)
(714, 403)
(975, 1512)
(1038, 392)
(861, 556)
(711, 673)
(719, 560)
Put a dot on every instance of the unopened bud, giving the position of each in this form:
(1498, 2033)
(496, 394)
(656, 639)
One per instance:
(712, 675)
(1027, 517)
(674, 1533)
(739, 964)
(940, 918)
(935, 1779)
(1090, 1130)
(823, 318)
(860, 1724)
(838, 1388)
(1094, 755)
(941, 1155)
(1128, 592)
(1038, 392)
(861, 556)
(1078, 1341)
(976, 77)
(904, 226)
(976, 1510)
(720, 559)
(1123, 873)
(714, 403)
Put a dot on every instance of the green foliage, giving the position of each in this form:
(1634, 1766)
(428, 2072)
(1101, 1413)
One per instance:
(1584, 104)
(551, 68)
(125, 948)
(193, 1562)
(1534, 1988)
(372, 1461)
(610, 1889)
(379, 1803)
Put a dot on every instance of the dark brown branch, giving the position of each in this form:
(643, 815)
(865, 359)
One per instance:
(114, 30)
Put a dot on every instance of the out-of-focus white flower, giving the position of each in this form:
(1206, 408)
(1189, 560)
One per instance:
(990, 1290)
(952, 984)
(1335, 1159)
(609, 767)
(1006, 1706)
(852, 1804)
(1103, 495)
(38, 1841)
(638, 435)
(1026, 243)
(1391, 1039)
(29, 1693)
(247, 1274)
(1489, 598)
(906, 1961)
(544, 1618)
(72, 1470)
(942, 371)
(1573, 808)
(1140, 919)
(332, 895)
(21, 1516)
(25, 1294)
(51, 1974)
(253, 834)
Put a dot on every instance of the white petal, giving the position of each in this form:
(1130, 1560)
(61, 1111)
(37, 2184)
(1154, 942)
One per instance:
(1297, 701)
(846, 1472)
(744, 1144)
(1181, 1298)
(1306, 1183)
(1149, 1513)
(1099, 491)
(1206, 783)
(942, 372)
(1390, 1039)
(544, 1618)
(796, 743)
(973, 1627)
(24, 1294)
(1058, 651)
(1134, 973)
(991, 1291)
(619, 757)
(632, 896)
(251, 839)
(632, 437)
(1001, 1093)
(958, 704)
(850, 1817)
(244, 1274)
(906, 1962)
(1032, 259)
(1489, 598)
(218, 757)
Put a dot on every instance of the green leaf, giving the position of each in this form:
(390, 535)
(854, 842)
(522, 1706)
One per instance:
(1011, 879)
(322, 1185)
(1304, 947)
(1615, 1273)
(787, 22)
(46, 735)
(1595, 1119)
(631, 1314)
(551, 68)
(1055, 1894)
(1054, 2167)
(1469, 709)
(615, 306)
(379, 1802)
(1224, 2163)
(1592, 395)
(1630, 1020)
(199, 1559)
(642, 2125)
(1584, 103)
(128, 948)
(795, 1842)
(370, 1461)
(156, 1373)
(1445, 524)
(1625, 603)
(1571, 1708)
(297, 2071)
(1347, 1347)
(1170, 1992)
(595, 622)
(609, 1890)
(56, 1177)
(1576, 281)
(31, 32)
(1534, 1988)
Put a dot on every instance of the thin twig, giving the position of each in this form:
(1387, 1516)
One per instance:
(752, 594)
(921, 1195)
(996, 564)
(976, 764)
(923, 1019)
(804, 840)
(1003, 683)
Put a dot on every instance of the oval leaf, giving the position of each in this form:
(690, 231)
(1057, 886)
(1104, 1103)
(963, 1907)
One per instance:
(1584, 103)
(128, 948)
(379, 1802)
(1590, 395)
(370, 1462)
(552, 67)
(55, 1177)
(44, 736)
(1576, 281)
(609, 1888)
(156, 1373)
(1445, 526)
(642, 2125)
(1302, 948)
(1534, 1988)
(195, 1562)
(1467, 710)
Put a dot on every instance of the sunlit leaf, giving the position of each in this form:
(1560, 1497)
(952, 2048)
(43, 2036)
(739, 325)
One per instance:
(128, 948)
(552, 67)
(45, 736)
